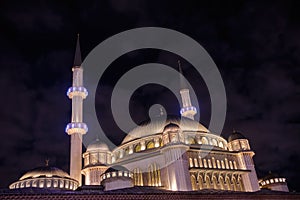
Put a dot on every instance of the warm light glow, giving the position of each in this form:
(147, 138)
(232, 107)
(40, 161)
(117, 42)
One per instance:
(76, 127)
(77, 91)
(186, 109)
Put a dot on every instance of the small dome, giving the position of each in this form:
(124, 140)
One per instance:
(97, 145)
(171, 127)
(270, 176)
(116, 168)
(236, 136)
(45, 171)
(46, 177)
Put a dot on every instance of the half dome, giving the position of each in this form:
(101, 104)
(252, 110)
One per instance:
(157, 125)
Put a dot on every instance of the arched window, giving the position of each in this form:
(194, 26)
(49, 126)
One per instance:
(61, 183)
(218, 164)
(166, 139)
(94, 158)
(154, 178)
(240, 184)
(234, 184)
(127, 151)
(209, 163)
(34, 183)
(150, 145)
(230, 164)
(198, 140)
(41, 184)
(205, 163)
(221, 145)
(207, 182)
(226, 163)
(196, 162)
(200, 162)
(137, 177)
(214, 162)
(215, 182)
(191, 140)
(137, 148)
(191, 162)
(204, 140)
(194, 183)
(200, 182)
(222, 164)
(214, 142)
(227, 183)
(221, 181)
(234, 165)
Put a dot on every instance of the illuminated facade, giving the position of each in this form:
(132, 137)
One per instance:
(173, 153)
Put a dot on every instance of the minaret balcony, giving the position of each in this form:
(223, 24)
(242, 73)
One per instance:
(190, 109)
(77, 91)
(76, 127)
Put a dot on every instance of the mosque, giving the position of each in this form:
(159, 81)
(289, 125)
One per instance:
(171, 153)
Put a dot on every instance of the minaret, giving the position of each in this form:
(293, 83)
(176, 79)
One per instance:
(76, 128)
(187, 109)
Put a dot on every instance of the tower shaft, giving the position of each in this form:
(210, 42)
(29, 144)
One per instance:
(187, 109)
(76, 128)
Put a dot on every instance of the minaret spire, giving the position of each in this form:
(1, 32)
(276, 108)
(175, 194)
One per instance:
(182, 82)
(187, 109)
(77, 127)
(77, 58)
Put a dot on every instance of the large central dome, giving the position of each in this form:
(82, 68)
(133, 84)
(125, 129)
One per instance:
(157, 125)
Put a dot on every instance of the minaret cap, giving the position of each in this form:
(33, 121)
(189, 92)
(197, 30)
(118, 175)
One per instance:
(182, 81)
(77, 59)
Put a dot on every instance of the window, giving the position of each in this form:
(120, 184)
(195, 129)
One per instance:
(138, 177)
(222, 164)
(221, 145)
(209, 163)
(204, 140)
(137, 148)
(150, 145)
(196, 162)
(191, 162)
(154, 178)
(218, 164)
(204, 162)
(230, 165)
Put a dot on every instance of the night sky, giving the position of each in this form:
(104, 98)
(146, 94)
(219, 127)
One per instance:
(256, 46)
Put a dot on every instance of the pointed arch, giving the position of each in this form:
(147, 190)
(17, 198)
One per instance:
(227, 183)
(138, 177)
(215, 182)
(204, 140)
(194, 182)
(240, 183)
(150, 145)
(221, 182)
(234, 183)
(200, 182)
(154, 175)
(137, 147)
(207, 182)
